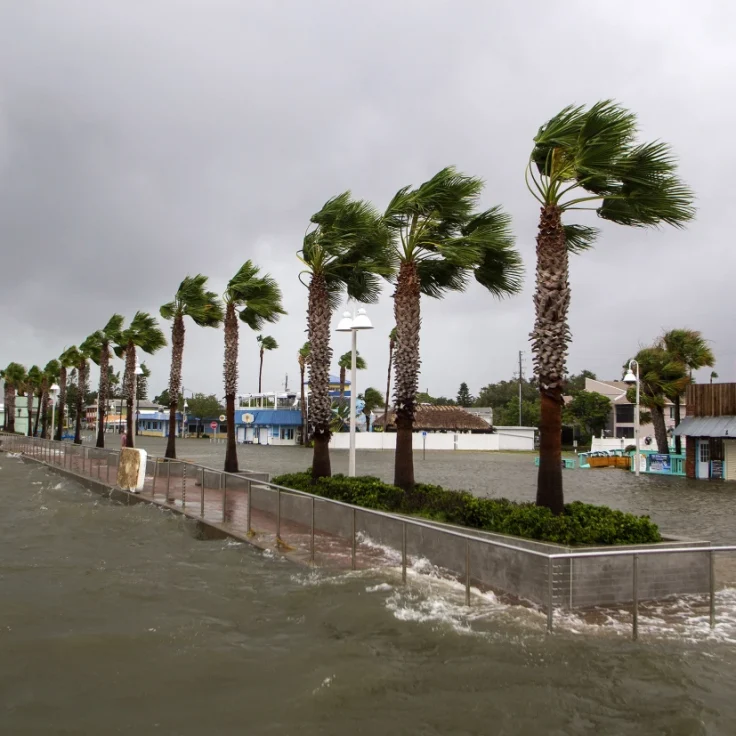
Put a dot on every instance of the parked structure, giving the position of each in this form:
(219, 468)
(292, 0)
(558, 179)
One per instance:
(710, 430)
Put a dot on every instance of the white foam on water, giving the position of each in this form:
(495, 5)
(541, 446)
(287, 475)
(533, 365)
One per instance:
(379, 587)
(58, 487)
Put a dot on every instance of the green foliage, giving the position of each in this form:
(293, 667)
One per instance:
(192, 299)
(499, 394)
(163, 400)
(204, 406)
(580, 524)
(346, 361)
(662, 377)
(588, 410)
(141, 384)
(266, 342)
(258, 297)
(508, 414)
(373, 399)
(464, 397)
(423, 397)
(576, 382)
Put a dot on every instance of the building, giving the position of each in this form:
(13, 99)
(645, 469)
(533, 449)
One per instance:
(621, 421)
(484, 412)
(430, 418)
(268, 418)
(710, 430)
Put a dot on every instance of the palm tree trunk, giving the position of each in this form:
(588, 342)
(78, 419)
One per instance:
(62, 403)
(38, 412)
(341, 400)
(231, 386)
(102, 393)
(367, 421)
(129, 394)
(177, 356)
(388, 382)
(320, 406)
(660, 430)
(29, 409)
(45, 410)
(10, 408)
(260, 373)
(81, 391)
(305, 424)
(549, 345)
(408, 322)
(678, 444)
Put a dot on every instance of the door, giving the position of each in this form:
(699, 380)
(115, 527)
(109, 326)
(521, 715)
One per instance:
(263, 436)
(241, 434)
(703, 459)
(730, 454)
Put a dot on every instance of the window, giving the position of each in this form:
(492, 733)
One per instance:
(275, 432)
(672, 412)
(625, 432)
(704, 452)
(625, 414)
(287, 433)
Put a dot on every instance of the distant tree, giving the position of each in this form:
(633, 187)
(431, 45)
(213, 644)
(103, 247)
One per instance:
(713, 375)
(50, 376)
(303, 359)
(508, 414)
(14, 376)
(391, 348)
(590, 411)
(345, 362)
(141, 386)
(373, 400)
(33, 384)
(463, 396)
(424, 397)
(576, 382)
(163, 399)
(265, 342)
(497, 395)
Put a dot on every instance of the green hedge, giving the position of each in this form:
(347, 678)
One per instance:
(581, 524)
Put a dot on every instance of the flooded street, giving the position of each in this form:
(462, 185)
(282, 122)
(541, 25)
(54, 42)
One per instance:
(115, 619)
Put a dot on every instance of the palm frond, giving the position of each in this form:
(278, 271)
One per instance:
(437, 276)
(580, 238)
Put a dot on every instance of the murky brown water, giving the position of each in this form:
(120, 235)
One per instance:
(116, 620)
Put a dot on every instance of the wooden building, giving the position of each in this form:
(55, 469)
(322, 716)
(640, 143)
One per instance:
(710, 429)
(429, 418)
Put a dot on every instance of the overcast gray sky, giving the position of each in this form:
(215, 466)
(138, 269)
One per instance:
(144, 140)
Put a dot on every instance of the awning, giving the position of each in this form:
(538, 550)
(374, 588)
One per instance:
(707, 427)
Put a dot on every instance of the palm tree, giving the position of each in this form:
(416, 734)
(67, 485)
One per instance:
(191, 300)
(662, 377)
(99, 345)
(264, 343)
(85, 349)
(713, 375)
(33, 382)
(141, 391)
(50, 376)
(345, 252)
(440, 242)
(68, 359)
(372, 399)
(303, 359)
(14, 376)
(144, 333)
(391, 348)
(257, 300)
(586, 159)
(691, 349)
(345, 362)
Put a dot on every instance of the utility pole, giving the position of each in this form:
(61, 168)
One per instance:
(520, 381)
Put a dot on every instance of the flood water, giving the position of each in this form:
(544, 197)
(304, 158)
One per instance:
(116, 620)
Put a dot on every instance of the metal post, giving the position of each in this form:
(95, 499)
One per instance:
(155, 475)
(467, 572)
(223, 484)
(353, 420)
(636, 423)
(84, 460)
(403, 552)
(311, 541)
(168, 480)
(248, 507)
(353, 552)
(201, 503)
(183, 485)
(278, 516)
(550, 593)
(712, 585)
(107, 462)
(635, 619)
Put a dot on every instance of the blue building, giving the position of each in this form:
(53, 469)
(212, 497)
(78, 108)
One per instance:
(268, 426)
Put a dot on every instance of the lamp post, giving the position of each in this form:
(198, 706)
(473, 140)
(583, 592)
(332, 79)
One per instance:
(138, 372)
(184, 418)
(54, 391)
(353, 323)
(630, 378)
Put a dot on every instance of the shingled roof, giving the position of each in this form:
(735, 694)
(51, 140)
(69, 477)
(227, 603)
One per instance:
(440, 418)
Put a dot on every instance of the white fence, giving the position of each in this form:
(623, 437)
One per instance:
(621, 443)
(505, 438)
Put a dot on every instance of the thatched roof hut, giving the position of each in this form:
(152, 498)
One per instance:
(430, 418)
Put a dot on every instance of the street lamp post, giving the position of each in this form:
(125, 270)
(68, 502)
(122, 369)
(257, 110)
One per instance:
(353, 323)
(138, 371)
(630, 378)
(54, 391)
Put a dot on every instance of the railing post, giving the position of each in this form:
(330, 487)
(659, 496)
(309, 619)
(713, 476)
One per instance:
(223, 483)
(635, 619)
(278, 516)
(183, 485)
(84, 460)
(155, 475)
(311, 540)
(248, 507)
(467, 572)
(168, 480)
(353, 550)
(107, 462)
(201, 498)
(550, 595)
(403, 552)
(712, 586)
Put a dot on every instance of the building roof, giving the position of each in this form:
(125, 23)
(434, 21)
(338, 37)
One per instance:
(431, 418)
(616, 390)
(272, 417)
(707, 427)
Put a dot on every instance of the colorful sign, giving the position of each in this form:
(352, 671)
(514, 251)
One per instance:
(660, 464)
(213, 425)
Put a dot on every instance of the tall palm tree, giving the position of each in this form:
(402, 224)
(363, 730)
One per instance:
(344, 253)
(50, 376)
(256, 299)
(302, 357)
(265, 342)
(391, 348)
(345, 362)
(691, 349)
(586, 159)
(662, 377)
(440, 241)
(100, 343)
(191, 300)
(141, 392)
(14, 376)
(86, 348)
(143, 332)
(372, 400)
(68, 359)
(33, 382)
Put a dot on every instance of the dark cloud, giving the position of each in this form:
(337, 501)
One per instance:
(143, 141)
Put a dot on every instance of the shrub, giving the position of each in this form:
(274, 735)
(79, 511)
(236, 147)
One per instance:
(580, 524)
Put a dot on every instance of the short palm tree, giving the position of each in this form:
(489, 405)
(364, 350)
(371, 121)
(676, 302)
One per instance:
(86, 348)
(265, 342)
(50, 376)
(14, 376)
(391, 348)
(33, 383)
(440, 241)
(191, 300)
(302, 357)
(372, 399)
(344, 253)
(713, 374)
(345, 362)
(68, 359)
(586, 159)
(692, 350)
(143, 332)
(256, 299)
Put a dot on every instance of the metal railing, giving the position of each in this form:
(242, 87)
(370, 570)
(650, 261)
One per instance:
(316, 530)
